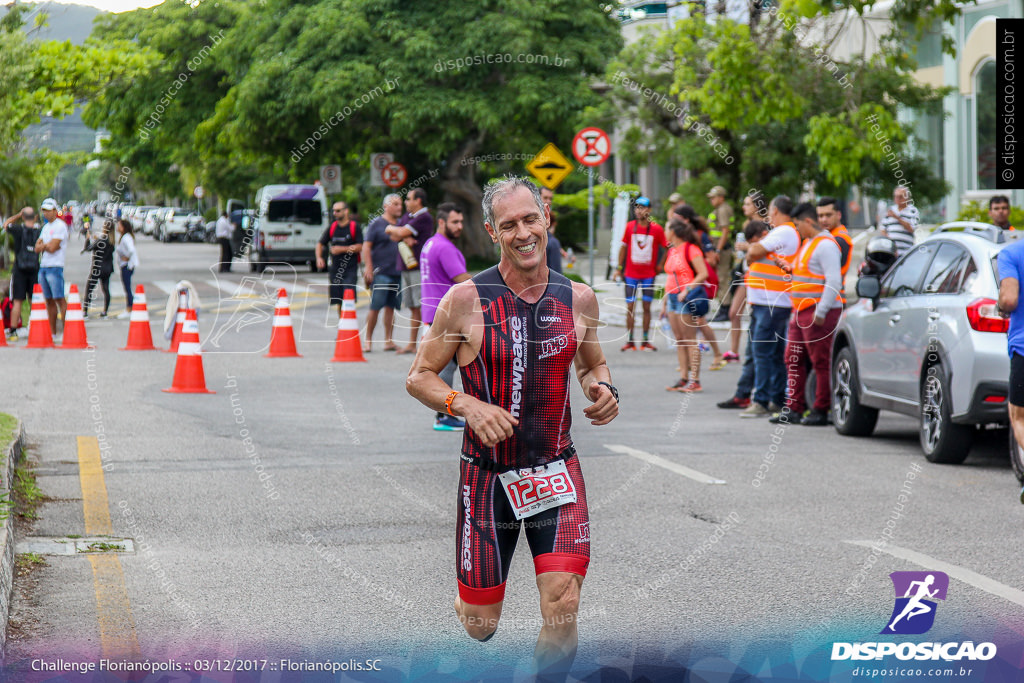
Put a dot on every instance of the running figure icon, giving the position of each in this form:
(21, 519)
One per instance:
(917, 594)
(915, 606)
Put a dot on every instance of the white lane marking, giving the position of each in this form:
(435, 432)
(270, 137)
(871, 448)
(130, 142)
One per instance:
(168, 286)
(667, 464)
(966, 575)
(867, 233)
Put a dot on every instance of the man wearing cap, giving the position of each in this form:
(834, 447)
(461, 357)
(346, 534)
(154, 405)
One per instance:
(51, 243)
(675, 200)
(720, 230)
(639, 262)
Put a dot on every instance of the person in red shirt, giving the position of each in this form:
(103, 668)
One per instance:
(639, 261)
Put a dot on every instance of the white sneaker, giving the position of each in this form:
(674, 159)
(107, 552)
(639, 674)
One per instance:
(124, 316)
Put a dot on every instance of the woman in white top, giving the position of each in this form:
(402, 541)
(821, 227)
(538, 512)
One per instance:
(128, 259)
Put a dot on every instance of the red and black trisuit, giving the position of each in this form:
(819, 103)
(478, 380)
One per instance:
(523, 366)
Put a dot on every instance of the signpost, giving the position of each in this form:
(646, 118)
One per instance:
(198, 193)
(394, 175)
(378, 160)
(591, 147)
(550, 166)
(330, 178)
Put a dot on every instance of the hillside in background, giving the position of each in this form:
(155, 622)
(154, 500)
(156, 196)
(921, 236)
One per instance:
(65, 22)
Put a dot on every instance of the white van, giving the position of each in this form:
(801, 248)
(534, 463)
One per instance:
(289, 221)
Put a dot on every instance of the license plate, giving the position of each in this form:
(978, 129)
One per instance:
(280, 238)
(534, 490)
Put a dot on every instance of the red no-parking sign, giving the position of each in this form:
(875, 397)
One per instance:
(394, 174)
(591, 146)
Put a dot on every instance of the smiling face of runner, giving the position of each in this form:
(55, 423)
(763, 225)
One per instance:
(520, 229)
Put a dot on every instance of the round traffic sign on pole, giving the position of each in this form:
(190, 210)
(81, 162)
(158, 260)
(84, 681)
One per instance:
(394, 174)
(591, 146)
(198, 192)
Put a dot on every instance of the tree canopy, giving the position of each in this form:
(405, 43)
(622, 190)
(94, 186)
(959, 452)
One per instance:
(764, 104)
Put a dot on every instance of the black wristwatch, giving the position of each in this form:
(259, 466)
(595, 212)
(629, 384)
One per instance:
(615, 392)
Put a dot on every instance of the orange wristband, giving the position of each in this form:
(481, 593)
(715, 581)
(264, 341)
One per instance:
(448, 402)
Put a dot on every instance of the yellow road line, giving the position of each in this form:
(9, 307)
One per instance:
(118, 639)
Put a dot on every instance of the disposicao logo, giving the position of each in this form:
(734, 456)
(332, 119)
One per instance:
(913, 614)
(916, 592)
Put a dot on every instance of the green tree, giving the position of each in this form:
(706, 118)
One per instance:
(427, 81)
(49, 78)
(152, 118)
(763, 105)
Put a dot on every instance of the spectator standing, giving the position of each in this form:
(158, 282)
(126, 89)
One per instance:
(700, 227)
(720, 231)
(225, 228)
(999, 212)
(127, 261)
(639, 263)
(901, 221)
(102, 266)
(830, 217)
(554, 248)
(51, 246)
(343, 239)
(25, 272)
(413, 229)
(686, 299)
(753, 232)
(768, 281)
(815, 293)
(443, 266)
(380, 272)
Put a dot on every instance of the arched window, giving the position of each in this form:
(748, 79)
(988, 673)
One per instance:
(985, 125)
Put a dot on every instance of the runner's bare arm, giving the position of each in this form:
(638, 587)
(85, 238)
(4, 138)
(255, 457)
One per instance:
(451, 328)
(591, 366)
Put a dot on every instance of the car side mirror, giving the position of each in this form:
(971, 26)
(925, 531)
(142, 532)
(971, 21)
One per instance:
(868, 287)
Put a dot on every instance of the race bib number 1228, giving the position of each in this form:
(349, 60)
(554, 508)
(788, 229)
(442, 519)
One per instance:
(534, 490)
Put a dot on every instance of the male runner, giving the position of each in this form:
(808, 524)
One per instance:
(515, 329)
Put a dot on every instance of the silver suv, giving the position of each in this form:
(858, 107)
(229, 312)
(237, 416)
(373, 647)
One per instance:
(926, 340)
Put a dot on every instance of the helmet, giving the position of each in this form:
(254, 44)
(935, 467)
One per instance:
(879, 255)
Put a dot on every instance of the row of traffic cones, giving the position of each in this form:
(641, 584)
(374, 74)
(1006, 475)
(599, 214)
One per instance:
(189, 376)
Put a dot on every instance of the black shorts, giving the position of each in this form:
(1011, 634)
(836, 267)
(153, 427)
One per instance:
(486, 534)
(339, 282)
(22, 283)
(1017, 380)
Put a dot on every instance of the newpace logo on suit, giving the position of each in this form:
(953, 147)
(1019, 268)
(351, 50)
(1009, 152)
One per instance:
(914, 613)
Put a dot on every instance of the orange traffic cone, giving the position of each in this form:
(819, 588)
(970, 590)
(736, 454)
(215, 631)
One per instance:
(282, 337)
(140, 337)
(39, 336)
(348, 349)
(74, 323)
(188, 371)
(179, 321)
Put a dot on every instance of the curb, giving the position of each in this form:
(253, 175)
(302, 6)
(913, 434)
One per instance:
(11, 454)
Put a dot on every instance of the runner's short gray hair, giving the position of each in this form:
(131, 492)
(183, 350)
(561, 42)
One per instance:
(496, 189)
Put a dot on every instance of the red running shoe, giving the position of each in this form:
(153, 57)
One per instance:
(647, 346)
(628, 346)
(731, 357)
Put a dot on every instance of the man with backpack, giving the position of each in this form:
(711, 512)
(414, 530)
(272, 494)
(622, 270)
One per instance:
(25, 273)
(344, 238)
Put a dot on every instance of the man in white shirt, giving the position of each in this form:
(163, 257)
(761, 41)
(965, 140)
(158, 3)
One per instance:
(901, 221)
(223, 231)
(768, 283)
(50, 245)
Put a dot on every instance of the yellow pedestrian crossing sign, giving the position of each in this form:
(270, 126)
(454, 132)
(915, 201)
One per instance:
(550, 167)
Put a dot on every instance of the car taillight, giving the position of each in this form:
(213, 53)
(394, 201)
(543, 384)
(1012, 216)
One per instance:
(995, 398)
(984, 317)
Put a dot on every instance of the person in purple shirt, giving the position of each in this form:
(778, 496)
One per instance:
(414, 228)
(442, 265)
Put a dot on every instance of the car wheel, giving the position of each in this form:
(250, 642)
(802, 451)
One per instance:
(850, 417)
(941, 440)
(1016, 457)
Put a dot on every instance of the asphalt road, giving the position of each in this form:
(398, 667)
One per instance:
(338, 542)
